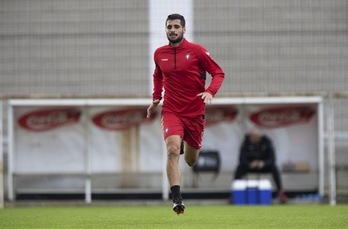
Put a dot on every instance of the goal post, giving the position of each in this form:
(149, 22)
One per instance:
(1, 158)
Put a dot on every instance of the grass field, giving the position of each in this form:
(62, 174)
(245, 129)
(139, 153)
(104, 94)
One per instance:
(196, 216)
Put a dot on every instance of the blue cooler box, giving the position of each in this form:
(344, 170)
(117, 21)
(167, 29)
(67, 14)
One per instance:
(238, 193)
(265, 192)
(251, 192)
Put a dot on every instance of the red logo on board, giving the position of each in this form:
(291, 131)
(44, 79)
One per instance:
(121, 119)
(282, 116)
(48, 119)
(216, 114)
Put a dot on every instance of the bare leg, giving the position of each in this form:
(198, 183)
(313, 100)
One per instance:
(173, 144)
(191, 155)
(173, 156)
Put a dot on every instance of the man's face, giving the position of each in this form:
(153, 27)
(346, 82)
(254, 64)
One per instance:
(254, 136)
(174, 30)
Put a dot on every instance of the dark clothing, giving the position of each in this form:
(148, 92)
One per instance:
(263, 150)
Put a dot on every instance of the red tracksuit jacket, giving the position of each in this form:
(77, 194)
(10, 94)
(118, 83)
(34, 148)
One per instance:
(181, 72)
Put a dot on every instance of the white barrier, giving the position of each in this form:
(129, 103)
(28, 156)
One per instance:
(92, 106)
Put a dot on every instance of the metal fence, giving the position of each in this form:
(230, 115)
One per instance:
(100, 49)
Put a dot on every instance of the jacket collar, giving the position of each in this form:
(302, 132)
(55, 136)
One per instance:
(183, 44)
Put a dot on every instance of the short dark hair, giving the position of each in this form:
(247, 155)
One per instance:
(176, 16)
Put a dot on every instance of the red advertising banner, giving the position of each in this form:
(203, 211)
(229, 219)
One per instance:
(121, 119)
(47, 119)
(216, 114)
(282, 116)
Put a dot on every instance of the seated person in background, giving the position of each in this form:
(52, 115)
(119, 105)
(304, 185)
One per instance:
(257, 155)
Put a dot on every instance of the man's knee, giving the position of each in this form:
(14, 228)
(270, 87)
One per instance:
(190, 161)
(191, 156)
(272, 168)
(240, 171)
(173, 150)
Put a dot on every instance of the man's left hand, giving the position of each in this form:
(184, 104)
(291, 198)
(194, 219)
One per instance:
(261, 164)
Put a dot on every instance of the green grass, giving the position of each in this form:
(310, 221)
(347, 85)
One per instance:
(196, 216)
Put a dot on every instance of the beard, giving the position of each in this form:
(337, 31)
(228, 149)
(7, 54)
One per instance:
(175, 40)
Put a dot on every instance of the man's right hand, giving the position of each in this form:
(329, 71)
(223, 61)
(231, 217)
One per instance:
(152, 107)
(257, 164)
(253, 164)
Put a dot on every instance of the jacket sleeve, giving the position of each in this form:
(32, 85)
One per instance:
(214, 70)
(270, 159)
(157, 83)
(243, 159)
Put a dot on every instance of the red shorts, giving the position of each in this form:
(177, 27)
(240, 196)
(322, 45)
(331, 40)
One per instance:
(190, 129)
